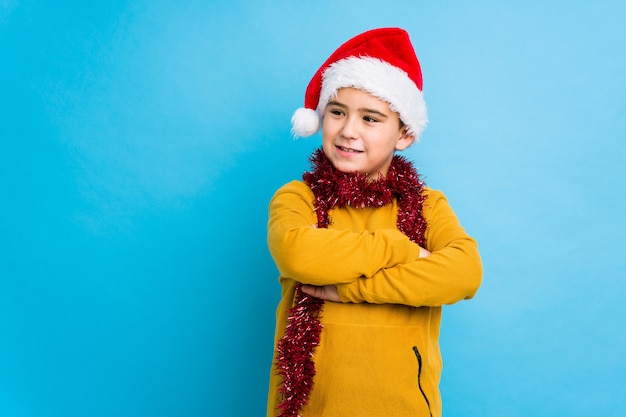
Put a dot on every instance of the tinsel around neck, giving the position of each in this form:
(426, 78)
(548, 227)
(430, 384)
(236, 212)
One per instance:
(333, 188)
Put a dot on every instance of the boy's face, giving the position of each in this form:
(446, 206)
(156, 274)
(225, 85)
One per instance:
(360, 133)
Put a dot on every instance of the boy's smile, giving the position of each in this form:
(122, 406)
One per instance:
(360, 133)
(344, 149)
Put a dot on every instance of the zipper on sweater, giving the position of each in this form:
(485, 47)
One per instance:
(419, 378)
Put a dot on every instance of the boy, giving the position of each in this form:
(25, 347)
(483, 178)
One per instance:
(367, 254)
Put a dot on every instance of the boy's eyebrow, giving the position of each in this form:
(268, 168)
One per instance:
(374, 111)
(336, 103)
(362, 109)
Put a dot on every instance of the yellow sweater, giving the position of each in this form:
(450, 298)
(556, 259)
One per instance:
(367, 362)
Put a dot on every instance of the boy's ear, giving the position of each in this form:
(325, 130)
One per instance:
(405, 140)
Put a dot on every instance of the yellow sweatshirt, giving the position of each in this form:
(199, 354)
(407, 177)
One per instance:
(387, 323)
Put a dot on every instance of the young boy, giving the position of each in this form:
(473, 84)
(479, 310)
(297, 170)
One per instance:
(367, 254)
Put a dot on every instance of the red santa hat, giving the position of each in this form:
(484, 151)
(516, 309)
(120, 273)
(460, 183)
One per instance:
(381, 62)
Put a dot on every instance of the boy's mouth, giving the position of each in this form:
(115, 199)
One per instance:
(344, 149)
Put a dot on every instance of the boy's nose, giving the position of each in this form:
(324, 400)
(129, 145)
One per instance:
(350, 128)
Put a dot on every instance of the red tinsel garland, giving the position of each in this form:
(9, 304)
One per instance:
(333, 188)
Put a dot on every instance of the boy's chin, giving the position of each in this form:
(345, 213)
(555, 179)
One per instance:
(370, 177)
(345, 168)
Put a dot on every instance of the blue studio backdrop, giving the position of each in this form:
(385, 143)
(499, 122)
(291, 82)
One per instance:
(142, 141)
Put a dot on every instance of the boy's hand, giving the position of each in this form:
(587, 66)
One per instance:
(424, 253)
(327, 292)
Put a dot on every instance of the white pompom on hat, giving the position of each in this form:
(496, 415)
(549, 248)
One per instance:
(381, 62)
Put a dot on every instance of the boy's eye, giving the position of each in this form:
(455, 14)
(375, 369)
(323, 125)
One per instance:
(370, 119)
(335, 112)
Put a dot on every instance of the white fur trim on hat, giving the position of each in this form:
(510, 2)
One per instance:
(382, 80)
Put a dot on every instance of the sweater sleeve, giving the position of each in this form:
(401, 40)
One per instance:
(315, 256)
(451, 273)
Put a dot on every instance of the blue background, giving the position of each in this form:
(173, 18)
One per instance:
(141, 143)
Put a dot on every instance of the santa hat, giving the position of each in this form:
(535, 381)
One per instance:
(381, 62)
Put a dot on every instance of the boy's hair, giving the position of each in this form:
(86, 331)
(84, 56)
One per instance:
(381, 62)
